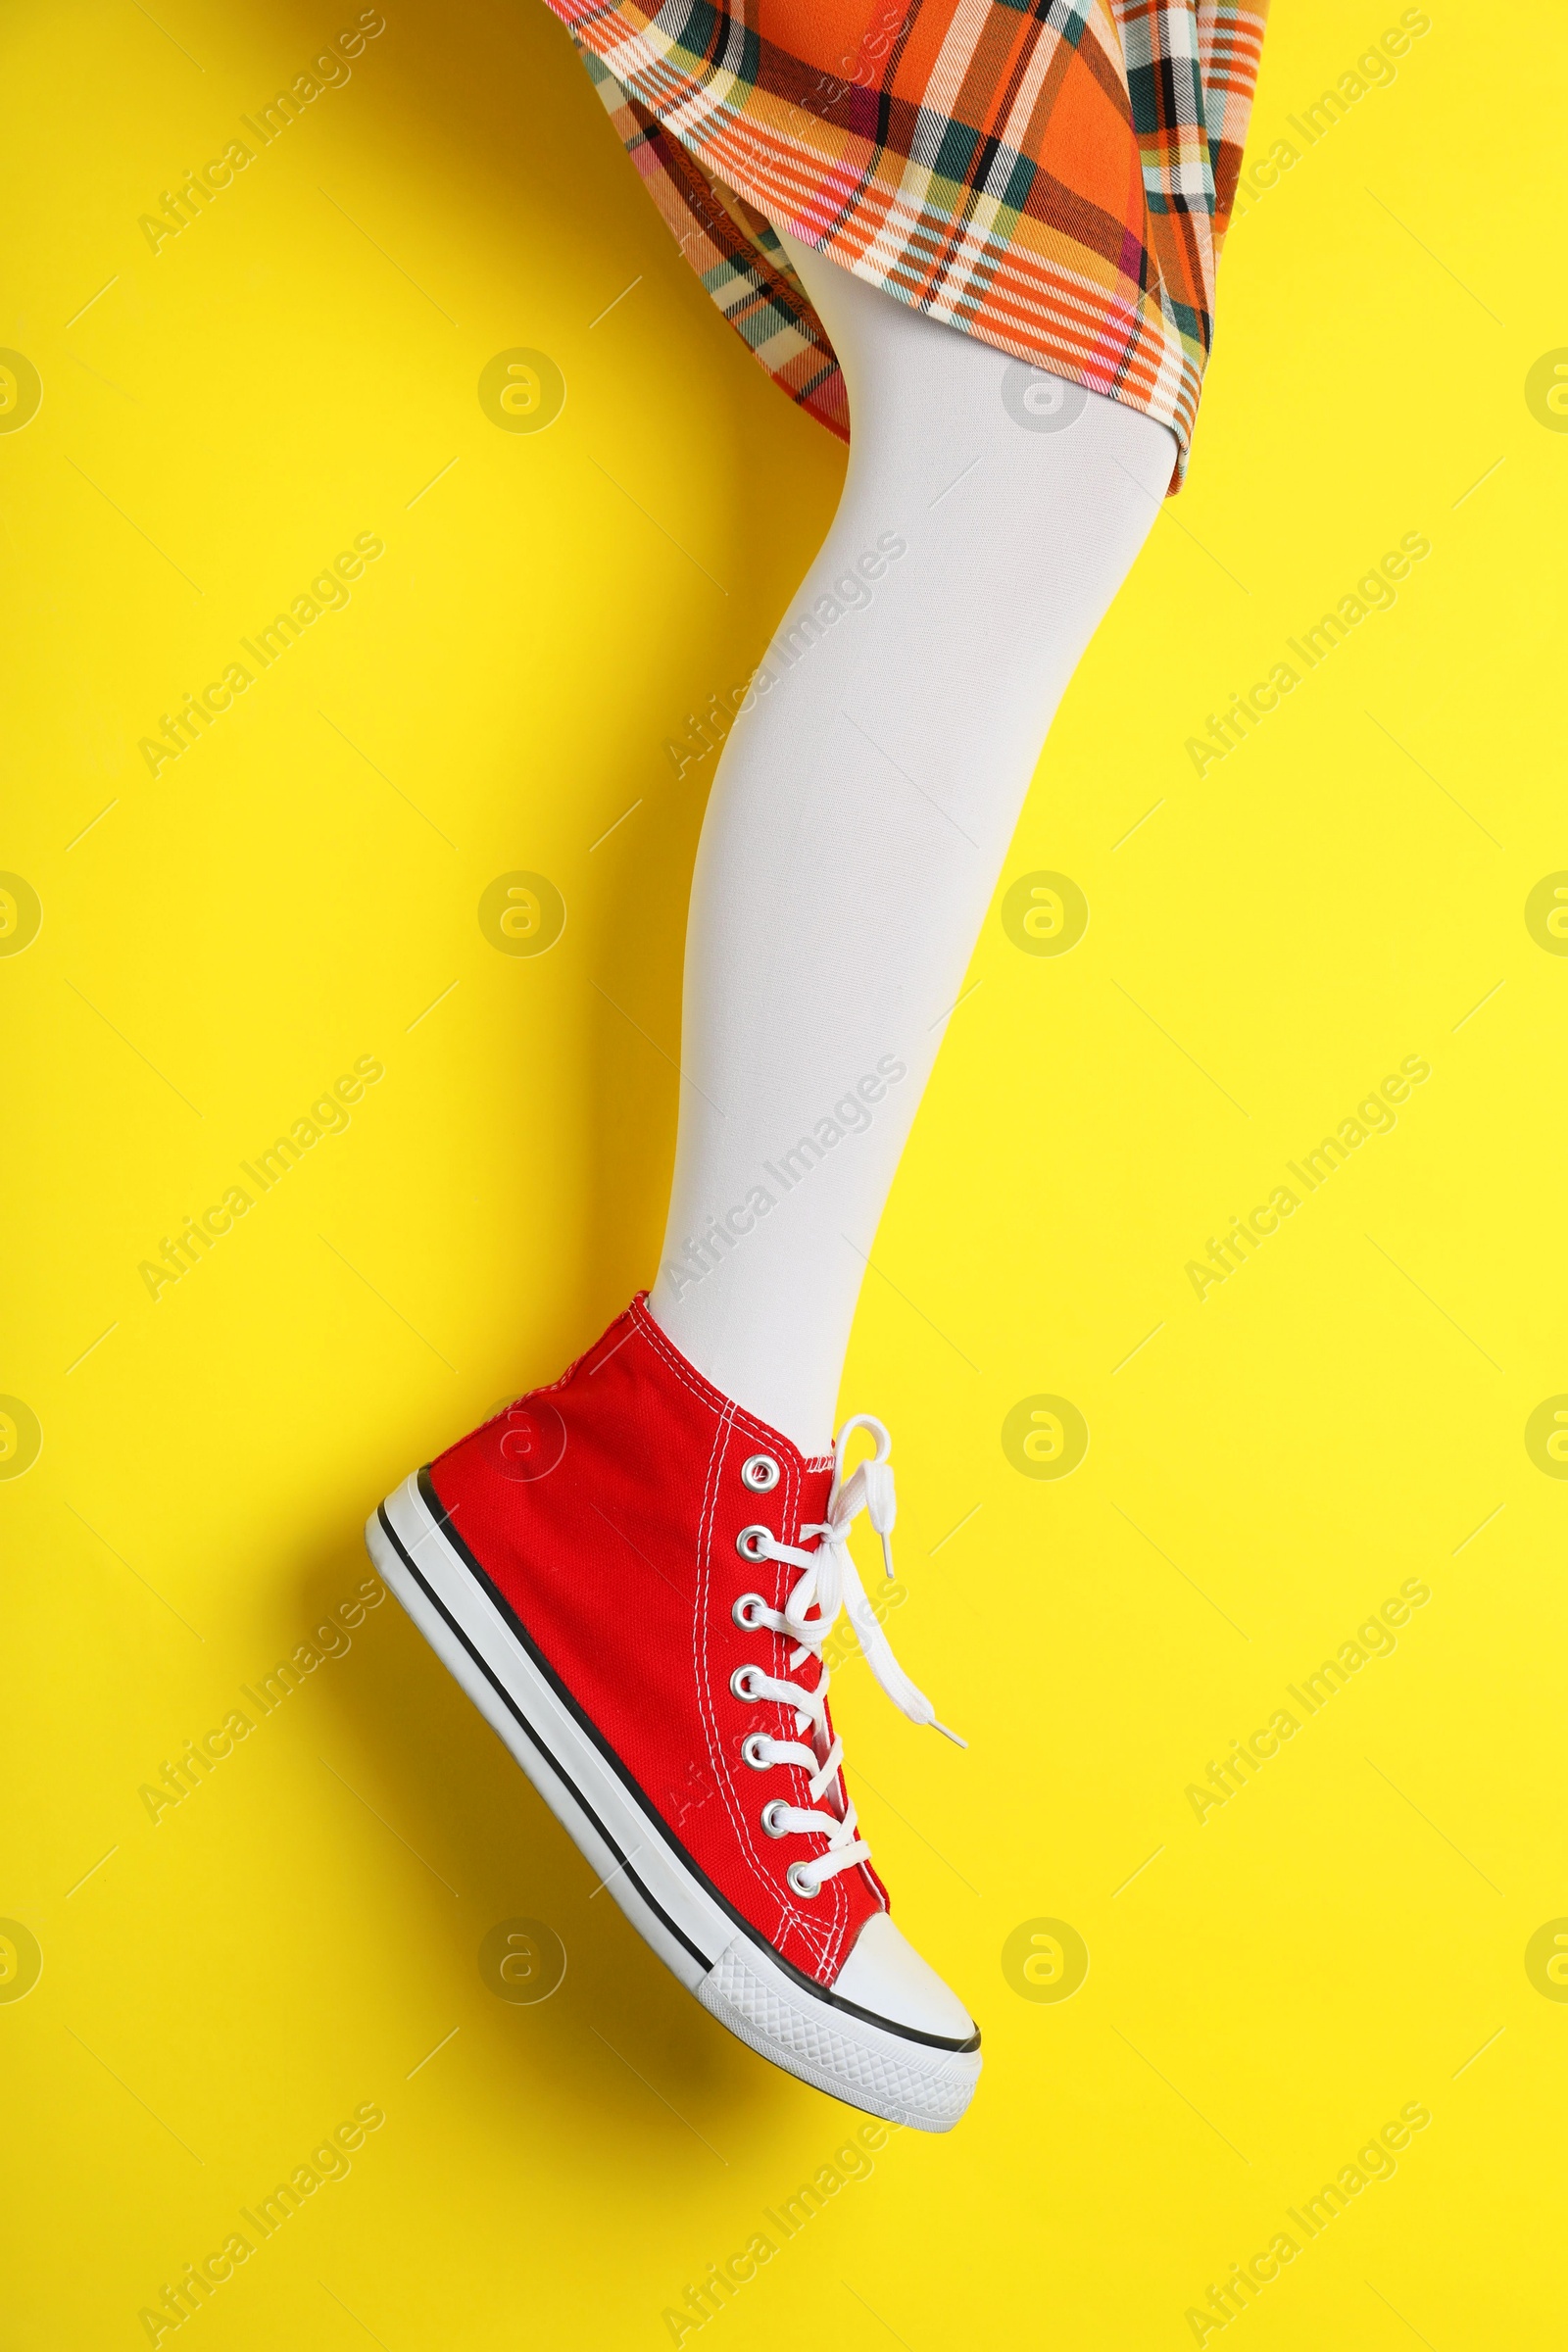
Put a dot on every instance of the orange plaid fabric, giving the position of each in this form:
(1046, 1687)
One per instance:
(1054, 178)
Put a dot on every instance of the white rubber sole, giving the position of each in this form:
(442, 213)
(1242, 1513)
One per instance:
(911, 2079)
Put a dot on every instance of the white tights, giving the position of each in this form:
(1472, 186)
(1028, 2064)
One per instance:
(860, 817)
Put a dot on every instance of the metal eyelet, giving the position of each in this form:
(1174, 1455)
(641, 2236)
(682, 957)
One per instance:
(742, 1681)
(801, 1879)
(743, 1610)
(761, 1473)
(751, 1752)
(748, 1540)
(770, 1818)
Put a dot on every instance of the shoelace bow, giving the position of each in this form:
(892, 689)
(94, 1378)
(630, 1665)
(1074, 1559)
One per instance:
(830, 1581)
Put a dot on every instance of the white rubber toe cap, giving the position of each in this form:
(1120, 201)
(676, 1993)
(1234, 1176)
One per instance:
(887, 1976)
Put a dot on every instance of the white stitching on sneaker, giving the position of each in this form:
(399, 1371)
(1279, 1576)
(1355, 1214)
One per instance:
(823, 1936)
(700, 1666)
(820, 1937)
(831, 1581)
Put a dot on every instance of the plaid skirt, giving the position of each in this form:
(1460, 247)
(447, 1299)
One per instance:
(1053, 176)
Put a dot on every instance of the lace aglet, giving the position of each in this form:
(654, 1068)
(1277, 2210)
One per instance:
(946, 1734)
(887, 1556)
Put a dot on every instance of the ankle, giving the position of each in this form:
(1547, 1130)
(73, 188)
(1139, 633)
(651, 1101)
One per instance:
(760, 1371)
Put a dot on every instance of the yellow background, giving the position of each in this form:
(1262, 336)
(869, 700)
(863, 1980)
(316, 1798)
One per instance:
(302, 885)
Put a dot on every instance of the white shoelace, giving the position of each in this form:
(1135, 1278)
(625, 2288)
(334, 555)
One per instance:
(830, 1582)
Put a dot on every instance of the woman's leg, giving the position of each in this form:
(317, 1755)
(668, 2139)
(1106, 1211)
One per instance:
(860, 818)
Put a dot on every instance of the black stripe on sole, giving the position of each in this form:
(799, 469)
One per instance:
(704, 1960)
(504, 1610)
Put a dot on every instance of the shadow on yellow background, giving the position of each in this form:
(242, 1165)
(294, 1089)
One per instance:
(1293, 1940)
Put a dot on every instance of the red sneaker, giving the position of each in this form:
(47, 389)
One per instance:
(616, 1569)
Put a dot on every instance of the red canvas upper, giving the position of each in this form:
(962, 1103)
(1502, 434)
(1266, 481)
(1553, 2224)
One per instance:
(604, 1509)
